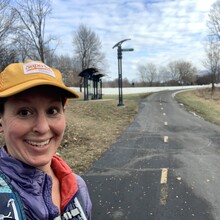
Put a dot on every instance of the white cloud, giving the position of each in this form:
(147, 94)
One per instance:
(160, 31)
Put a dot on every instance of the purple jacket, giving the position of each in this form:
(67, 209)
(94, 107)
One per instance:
(35, 189)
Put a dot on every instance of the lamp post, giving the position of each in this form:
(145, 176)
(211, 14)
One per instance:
(120, 50)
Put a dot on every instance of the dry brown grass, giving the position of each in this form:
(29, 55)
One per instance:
(203, 102)
(92, 126)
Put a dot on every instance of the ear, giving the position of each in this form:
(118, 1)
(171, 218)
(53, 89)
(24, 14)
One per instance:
(65, 104)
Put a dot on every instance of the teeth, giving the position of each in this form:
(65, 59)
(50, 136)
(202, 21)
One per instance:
(38, 144)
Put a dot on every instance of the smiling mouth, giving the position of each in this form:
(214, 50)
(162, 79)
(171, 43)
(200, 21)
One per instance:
(38, 144)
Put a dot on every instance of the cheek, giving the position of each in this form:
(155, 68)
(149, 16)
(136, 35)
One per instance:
(13, 136)
(13, 129)
(60, 126)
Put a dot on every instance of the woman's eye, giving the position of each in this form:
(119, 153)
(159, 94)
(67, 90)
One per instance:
(53, 111)
(24, 112)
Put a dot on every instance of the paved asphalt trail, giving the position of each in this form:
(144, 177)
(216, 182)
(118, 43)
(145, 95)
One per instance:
(165, 166)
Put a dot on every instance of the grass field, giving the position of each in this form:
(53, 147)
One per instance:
(202, 102)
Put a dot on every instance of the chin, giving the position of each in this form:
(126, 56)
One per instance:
(39, 163)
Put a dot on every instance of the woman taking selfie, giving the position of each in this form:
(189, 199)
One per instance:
(34, 182)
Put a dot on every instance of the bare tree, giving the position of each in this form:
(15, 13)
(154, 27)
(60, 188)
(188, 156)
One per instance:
(212, 60)
(163, 74)
(151, 73)
(212, 49)
(213, 22)
(65, 64)
(182, 72)
(173, 71)
(7, 28)
(187, 72)
(148, 73)
(7, 19)
(7, 55)
(142, 72)
(31, 33)
(126, 82)
(88, 49)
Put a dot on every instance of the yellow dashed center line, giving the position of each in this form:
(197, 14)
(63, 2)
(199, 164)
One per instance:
(164, 175)
(164, 187)
(165, 139)
(163, 179)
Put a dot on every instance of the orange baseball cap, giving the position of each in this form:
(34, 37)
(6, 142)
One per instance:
(17, 77)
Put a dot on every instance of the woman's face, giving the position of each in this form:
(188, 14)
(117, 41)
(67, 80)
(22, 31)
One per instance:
(33, 124)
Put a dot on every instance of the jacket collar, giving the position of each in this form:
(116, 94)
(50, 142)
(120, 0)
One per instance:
(67, 180)
(33, 179)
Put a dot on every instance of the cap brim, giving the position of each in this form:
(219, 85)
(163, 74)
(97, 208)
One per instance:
(69, 93)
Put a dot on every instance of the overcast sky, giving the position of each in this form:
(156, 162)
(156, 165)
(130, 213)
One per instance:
(160, 30)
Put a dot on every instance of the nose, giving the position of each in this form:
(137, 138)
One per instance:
(41, 124)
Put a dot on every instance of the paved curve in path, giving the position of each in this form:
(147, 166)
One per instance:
(165, 166)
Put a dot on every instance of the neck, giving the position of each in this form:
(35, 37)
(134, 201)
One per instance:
(55, 185)
(46, 169)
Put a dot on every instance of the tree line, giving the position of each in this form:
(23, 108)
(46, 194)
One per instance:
(175, 73)
(23, 36)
